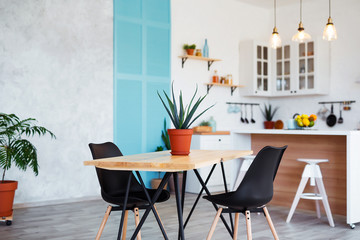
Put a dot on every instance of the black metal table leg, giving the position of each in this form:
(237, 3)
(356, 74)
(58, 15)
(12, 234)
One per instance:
(183, 197)
(226, 190)
(178, 205)
(148, 209)
(124, 207)
(216, 207)
(152, 206)
(199, 195)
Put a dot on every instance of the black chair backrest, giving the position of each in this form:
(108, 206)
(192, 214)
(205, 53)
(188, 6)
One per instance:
(256, 188)
(112, 182)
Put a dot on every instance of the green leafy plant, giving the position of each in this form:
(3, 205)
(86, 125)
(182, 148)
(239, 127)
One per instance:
(187, 46)
(269, 112)
(165, 136)
(14, 149)
(159, 149)
(204, 123)
(182, 118)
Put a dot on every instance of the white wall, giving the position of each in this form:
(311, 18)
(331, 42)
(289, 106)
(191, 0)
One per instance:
(345, 56)
(224, 23)
(56, 66)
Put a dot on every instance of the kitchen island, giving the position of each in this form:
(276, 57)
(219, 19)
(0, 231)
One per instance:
(341, 174)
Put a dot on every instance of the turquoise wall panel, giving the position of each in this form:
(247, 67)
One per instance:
(157, 10)
(128, 47)
(141, 67)
(158, 57)
(128, 116)
(155, 115)
(128, 8)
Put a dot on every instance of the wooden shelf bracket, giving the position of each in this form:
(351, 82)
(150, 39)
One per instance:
(210, 62)
(183, 60)
(209, 86)
(233, 89)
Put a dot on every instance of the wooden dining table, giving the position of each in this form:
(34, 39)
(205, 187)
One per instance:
(171, 165)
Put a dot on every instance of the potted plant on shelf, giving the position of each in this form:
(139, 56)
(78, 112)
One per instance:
(14, 149)
(182, 118)
(268, 114)
(189, 49)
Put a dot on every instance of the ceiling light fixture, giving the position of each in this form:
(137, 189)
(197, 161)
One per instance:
(275, 40)
(330, 31)
(301, 35)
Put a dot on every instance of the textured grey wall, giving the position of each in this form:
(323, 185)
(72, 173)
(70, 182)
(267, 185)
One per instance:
(56, 66)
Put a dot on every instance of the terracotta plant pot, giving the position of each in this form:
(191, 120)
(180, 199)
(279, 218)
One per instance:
(7, 193)
(180, 141)
(155, 182)
(190, 51)
(269, 124)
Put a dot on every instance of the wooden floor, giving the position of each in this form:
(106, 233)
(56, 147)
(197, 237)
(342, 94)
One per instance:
(81, 221)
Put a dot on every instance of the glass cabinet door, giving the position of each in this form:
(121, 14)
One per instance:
(283, 69)
(306, 66)
(262, 68)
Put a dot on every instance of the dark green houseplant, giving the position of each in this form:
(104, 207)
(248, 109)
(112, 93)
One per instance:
(268, 114)
(17, 150)
(182, 116)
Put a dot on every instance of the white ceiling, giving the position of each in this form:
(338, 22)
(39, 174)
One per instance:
(270, 3)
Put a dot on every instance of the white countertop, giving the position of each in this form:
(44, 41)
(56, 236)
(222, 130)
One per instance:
(297, 132)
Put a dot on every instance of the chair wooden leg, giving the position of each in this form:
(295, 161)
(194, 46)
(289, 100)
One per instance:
(102, 225)
(271, 225)
(236, 226)
(125, 225)
(137, 220)
(213, 226)
(248, 225)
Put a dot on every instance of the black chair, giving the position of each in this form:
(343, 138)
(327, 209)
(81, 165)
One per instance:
(255, 190)
(114, 186)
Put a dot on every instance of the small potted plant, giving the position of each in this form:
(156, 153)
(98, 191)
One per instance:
(14, 149)
(204, 126)
(268, 114)
(182, 118)
(189, 49)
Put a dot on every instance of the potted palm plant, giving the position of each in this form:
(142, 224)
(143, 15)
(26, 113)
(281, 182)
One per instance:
(268, 114)
(18, 151)
(182, 118)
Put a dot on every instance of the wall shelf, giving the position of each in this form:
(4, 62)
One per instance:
(208, 60)
(231, 86)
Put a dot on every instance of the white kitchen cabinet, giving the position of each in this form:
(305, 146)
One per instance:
(215, 184)
(293, 69)
(255, 68)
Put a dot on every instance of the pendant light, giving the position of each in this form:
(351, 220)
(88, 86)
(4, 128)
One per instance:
(301, 35)
(330, 31)
(275, 40)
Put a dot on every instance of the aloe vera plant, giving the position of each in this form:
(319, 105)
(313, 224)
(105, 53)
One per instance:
(268, 112)
(182, 117)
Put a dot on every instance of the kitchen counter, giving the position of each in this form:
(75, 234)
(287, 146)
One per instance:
(341, 174)
(299, 132)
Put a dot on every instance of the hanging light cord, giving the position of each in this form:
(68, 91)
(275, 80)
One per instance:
(300, 10)
(275, 13)
(329, 8)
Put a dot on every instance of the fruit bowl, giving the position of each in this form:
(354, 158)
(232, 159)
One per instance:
(305, 121)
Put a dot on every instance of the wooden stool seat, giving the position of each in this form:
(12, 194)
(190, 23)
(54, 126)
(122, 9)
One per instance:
(312, 171)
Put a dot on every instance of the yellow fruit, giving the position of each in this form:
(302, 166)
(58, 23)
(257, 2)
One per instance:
(311, 123)
(313, 116)
(300, 123)
(298, 117)
(304, 116)
(306, 122)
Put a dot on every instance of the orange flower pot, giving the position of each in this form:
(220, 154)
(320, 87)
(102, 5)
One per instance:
(7, 193)
(180, 141)
(269, 124)
(190, 51)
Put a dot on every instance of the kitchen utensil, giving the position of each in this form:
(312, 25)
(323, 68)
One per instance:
(237, 109)
(246, 120)
(341, 120)
(230, 108)
(347, 106)
(331, 119)
(252, 118)
(241, 112)
(323, 112)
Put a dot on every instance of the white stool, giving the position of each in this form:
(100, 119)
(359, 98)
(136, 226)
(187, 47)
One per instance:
(312, 171)
(247, 160)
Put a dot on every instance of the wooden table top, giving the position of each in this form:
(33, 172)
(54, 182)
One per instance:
(165, 162)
